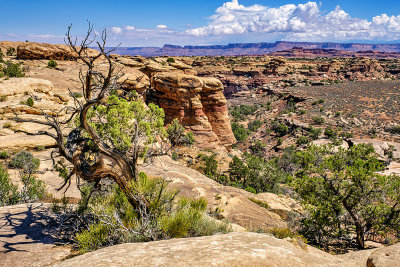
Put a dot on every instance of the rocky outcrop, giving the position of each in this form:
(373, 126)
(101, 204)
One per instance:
(24, 85)
(198, 103)
(135, 80)
(30, 50)
(234, 249)
(385, 257)
(216, 110)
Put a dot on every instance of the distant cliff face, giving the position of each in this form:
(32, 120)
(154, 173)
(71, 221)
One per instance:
(252, 49)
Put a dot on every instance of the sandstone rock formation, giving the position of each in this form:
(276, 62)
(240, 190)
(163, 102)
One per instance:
(198, 103)
(234, 249)
(135, 80)
(21, 85)
(385, 257)
(30, 50)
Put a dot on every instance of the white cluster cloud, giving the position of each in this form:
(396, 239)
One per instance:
(161, 26)
(303, 22)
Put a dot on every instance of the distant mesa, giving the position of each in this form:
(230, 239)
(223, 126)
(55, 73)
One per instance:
(326, 49)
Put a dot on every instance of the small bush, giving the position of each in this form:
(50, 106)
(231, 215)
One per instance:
(254, 125)
(40, 148)
(4, 155)
(30, 102)
(7, 125)
(170, 60)
(24, 160)
(77, 95)
(13, 70)
(52, 64)
(314, 133)
(3, 98)
(239, 132)
(318, 120)
(280, 128)
(177, 136)
(302, 140)
(8, 191)
(174, 156)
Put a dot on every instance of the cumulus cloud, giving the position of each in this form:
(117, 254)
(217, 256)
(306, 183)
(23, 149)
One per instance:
(161, 26)
(302, 22)
(130, 28)
(116, 30)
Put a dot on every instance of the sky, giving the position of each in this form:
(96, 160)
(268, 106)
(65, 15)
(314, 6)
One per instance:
(203, 22)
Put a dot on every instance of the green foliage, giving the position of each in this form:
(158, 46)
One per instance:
(257, 148)
(318, 119)
(1, 57)
(3, 98)
(280, 128)
(256, 173)
(25, 161)
(77, 95)
(32, 190)
(239, 132)
(211, 166)
(116, 221)
(125, 122)
(174, 156)
(30, 102)
(8, 191)
(13, 70)
(4, 155)
(344, 196)
(254, 125)
(170, 60)
(177, 136)
(314, 133)
(302, 140)
(240, 112)
(282, 233)
(52, 63)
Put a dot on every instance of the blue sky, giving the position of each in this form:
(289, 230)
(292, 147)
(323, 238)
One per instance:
(156, 22)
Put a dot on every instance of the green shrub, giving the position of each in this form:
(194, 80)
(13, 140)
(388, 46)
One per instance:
(314, 133)
(254, 125)
(331, 133)
(8, 191)
(32, 190)
(345, 198)
(177, 136)
(170, 60)
(280, 128)
(7, 125)
(52, 64)
(4, 155)
(3, 98)
(174, 156)
(282, 233)
(239, 132)
(30, 102)
(256, 173)
(1, 57)
(116, 221)
(210, 166)
(24, 160)
(302, 140)
(318, 120)
(13, 70)
(77, 95)
(240, 112)
(257, 148)
(40, 148)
